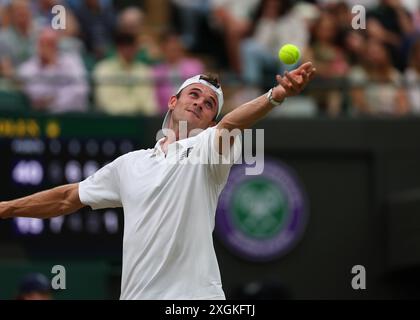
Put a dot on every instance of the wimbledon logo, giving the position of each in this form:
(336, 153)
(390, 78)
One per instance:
(261, 217)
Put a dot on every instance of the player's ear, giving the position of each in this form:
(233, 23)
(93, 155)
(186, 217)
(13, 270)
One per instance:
(172, 102)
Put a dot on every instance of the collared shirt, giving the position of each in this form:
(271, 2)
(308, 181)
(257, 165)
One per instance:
(169, 211)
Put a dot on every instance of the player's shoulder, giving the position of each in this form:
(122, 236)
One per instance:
(198, 138)
(205, 133)
(131, 157)
(135, 154)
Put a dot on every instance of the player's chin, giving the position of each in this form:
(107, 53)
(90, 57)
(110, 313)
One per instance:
(193, 119)
(197, 124)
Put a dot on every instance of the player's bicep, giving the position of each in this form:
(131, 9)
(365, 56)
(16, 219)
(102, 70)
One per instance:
(224, 149)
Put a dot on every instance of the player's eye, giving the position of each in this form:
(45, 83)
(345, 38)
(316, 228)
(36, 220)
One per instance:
(209, 105)
(194, 94)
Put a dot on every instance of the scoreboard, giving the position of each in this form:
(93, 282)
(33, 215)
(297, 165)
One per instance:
(42, 152)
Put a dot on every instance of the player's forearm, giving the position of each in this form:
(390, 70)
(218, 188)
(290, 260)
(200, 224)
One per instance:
(246, 115)
(46, 204)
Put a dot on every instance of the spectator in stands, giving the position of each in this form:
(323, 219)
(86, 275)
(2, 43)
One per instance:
(124, 86)
(331, 63)
(189, 17)
(131, 21)
(70, 41)
(346, 34)
(354, 45)
(412, 77)
(17, 42)
(54, 81)
(276, 24)
(97, 25)
(42, 12)
(34, 286)
(377, 84)
(391, 24)
(233, 19)
(416, 20)
(174, 70)
(342, 13)
(4, 17)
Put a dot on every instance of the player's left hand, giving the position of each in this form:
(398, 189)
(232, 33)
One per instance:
(293, 82)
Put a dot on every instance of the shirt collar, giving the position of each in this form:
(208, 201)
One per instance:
(184, 144)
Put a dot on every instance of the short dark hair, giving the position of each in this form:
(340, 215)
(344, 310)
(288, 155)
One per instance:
(211, 78)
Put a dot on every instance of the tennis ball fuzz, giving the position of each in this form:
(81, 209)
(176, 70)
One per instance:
(289, 54)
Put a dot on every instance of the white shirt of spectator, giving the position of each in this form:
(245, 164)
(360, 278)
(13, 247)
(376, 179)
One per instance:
(65, 83)
(289, 28)
(169, 212)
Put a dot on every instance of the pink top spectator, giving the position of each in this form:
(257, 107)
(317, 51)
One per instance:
(175, 68)
(170, 77)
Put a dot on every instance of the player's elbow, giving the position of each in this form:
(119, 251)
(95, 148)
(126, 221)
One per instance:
(70, 201)
(229, 124)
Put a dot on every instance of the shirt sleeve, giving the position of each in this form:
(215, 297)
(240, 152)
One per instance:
(102, 189)
(219, 166)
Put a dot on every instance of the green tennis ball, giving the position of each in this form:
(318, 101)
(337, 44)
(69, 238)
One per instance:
(289, 54)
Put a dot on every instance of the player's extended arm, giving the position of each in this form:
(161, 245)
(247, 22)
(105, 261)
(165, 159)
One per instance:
(46, 204)
(249, 113)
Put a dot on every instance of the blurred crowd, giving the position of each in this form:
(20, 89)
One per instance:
(117, 61)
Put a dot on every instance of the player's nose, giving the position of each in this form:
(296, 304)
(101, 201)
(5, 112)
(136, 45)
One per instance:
(198, 106)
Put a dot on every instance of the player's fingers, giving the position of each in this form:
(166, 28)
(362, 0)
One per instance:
(296, 85)
(312, 74)
(305, 77)
(307, 66)
(285, 84)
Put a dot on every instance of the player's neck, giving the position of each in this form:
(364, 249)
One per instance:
(173, 134)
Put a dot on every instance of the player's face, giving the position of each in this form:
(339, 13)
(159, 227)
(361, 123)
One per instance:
(197, 105)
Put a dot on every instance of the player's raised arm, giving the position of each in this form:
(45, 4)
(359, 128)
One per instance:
(246, 115)
(46, 204)
(249, 113)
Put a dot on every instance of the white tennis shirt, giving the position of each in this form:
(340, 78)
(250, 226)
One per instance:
(169, 212)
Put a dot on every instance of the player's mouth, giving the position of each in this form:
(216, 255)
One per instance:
(193, 112)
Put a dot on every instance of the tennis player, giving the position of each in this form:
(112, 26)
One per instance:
(169, 208)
